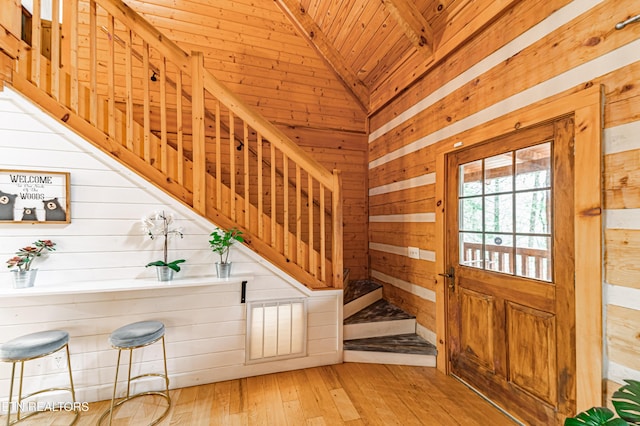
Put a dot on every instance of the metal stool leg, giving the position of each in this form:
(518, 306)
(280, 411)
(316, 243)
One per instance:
(166, 372)
(20, 389)
(13, 373)
(73, 391)
(115, 385)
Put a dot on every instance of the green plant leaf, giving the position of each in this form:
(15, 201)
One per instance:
(173, 265)
(626, 401)
(596, 416)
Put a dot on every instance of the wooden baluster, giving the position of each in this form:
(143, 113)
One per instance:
(198, 142)
(55, 49)
(129, 88)
(146, 103)
(164, 152)
(247, 205)
(285, 203)
(111, 77)
(274, 216)
(323, 242)
(336, 216)
(232, 166)
(312, 257)
(36, 29)
(300, 254)
(73, 54)
(218, 159)
(260, 189)
(93, 63)
(180, 142)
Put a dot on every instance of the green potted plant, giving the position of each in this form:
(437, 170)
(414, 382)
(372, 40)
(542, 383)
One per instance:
(158, 224)
(220, 243)
(23, 274)
(625, 400)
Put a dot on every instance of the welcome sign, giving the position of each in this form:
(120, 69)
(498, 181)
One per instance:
(34, 196)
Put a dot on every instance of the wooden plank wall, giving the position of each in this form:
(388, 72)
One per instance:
(104, 241)
(538, 50)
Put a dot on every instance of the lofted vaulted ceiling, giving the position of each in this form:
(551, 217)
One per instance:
(319, 64)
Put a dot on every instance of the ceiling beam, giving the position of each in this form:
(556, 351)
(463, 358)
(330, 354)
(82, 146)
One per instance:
(414, 25)
(312, 32)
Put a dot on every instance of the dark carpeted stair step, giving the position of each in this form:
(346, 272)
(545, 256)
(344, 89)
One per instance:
(404, 349)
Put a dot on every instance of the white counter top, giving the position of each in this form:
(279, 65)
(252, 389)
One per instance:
(117, 285)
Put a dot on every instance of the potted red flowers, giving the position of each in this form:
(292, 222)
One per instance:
(23, 274)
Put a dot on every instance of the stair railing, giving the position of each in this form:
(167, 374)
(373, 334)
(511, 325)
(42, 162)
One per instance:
(195, 138)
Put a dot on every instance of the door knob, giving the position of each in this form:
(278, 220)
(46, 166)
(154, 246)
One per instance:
(451, 278)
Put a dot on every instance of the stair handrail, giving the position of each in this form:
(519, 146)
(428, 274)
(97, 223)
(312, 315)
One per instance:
(171, 50)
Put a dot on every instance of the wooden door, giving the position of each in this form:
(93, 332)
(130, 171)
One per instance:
(511, 313)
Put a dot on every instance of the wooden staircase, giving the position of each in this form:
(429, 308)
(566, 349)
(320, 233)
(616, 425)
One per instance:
(116, 80)
(375, 331)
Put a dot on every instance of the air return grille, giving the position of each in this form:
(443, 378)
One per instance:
(276, 329)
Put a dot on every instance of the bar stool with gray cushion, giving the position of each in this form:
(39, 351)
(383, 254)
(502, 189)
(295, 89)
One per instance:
(130, 337)
(29, 347)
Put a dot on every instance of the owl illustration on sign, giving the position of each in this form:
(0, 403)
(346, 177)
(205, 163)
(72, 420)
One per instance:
(7, 203)
(29, 213)
(54, 212)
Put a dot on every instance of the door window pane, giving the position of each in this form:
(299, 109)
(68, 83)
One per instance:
(533, 257)
(498, 173)
(498, 253)
(471, 214)
(471, 179)
(471, 249)
(504, 227)
(533, 212)
(533, 167)
(498, 213)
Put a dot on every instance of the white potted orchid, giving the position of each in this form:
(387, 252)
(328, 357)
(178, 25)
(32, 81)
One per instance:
(158, 224)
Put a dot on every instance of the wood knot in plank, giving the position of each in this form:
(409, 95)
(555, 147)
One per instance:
(592, 41)
(592, 212)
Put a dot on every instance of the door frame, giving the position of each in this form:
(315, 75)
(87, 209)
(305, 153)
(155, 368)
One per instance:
(587, 108)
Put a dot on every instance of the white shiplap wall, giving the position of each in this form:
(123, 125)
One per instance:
(205, 325)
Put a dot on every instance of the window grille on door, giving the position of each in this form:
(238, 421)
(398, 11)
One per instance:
(276, 329)
(505, 213)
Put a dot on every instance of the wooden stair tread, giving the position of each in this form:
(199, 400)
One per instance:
(401, 343)
(359, 288)
(377, 312)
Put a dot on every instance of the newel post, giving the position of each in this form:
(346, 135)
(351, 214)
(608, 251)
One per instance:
(337, 251)
(199, 155)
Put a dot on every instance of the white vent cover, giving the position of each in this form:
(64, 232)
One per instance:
(276, 329)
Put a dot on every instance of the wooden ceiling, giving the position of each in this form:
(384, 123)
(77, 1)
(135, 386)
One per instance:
(320, 64)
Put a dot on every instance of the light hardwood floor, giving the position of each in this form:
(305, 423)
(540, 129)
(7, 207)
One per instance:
(343, 394)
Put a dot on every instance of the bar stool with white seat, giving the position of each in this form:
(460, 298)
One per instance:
(130, 337)
(29, 347)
